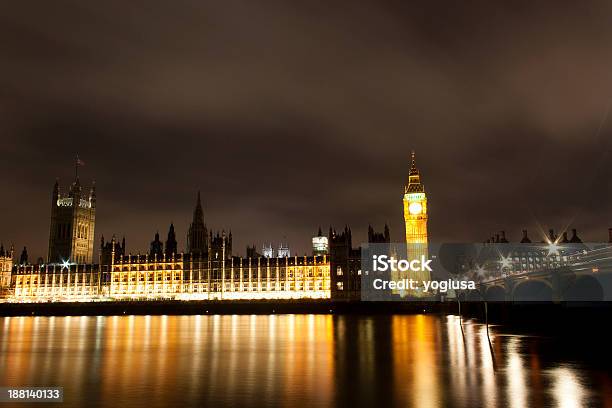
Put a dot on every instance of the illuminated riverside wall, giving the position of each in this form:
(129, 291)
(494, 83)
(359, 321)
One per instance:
(180, 277)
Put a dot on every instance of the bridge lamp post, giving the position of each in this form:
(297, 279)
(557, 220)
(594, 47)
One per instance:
(553, 249)
(506, 263)
(480, 271)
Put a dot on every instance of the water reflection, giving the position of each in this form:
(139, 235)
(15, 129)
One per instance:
(297, 360)
(568, 390)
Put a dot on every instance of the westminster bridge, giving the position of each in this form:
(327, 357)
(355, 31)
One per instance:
(581, 275)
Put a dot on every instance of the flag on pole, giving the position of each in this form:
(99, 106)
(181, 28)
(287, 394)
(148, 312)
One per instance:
(77, 163)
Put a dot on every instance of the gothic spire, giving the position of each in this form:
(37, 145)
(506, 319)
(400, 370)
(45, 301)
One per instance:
(525, 239)
(23, 259)
(77, 163)
(198, 213)
(414, 178)
(157, 247)
(56, 190)
(197, 236)
(171, 245)
(413, 168)
(575, 239)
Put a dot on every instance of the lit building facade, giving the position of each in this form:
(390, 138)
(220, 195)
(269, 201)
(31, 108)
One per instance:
(57, 282)
(189, 277)
(178, 277)
(208, 270)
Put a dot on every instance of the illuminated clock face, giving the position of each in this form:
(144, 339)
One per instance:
(415, 208)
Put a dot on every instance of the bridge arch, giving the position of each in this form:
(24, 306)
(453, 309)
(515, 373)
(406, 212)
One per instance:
(473, 296)
(532, 290)
(584, 289)
(495, 293)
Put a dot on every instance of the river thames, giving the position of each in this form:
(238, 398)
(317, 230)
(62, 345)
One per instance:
(294, 360)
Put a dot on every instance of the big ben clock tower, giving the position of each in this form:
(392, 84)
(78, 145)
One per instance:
(415, 216)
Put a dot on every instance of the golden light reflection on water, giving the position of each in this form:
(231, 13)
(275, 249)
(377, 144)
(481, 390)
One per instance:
(517, 387)
(487, 369)
(568, 389)
(292, 360)
(415, 343)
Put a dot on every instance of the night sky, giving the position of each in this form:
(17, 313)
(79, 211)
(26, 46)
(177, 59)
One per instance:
(288, 117)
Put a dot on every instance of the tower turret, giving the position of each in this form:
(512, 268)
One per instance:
(75, 188)
(378, 237)
(525, 239)
(56, 192)
(157, 247)
(197, 237)
(575, 239)
(92, 194)
(23, 258)
(171, 245)
(111, 251)
(6, 266)
(71, 233)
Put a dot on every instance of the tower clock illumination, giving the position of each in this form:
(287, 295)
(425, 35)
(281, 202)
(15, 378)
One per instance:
(415, 208)
(415, 217)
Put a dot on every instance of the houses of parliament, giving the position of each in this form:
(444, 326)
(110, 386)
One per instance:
(207, 270)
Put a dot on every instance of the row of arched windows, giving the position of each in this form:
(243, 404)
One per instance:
(64, 231)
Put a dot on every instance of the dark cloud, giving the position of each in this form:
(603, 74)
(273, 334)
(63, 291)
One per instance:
(291, 116)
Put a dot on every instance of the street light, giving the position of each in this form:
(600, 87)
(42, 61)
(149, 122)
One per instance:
(553, 249)
(505, 261)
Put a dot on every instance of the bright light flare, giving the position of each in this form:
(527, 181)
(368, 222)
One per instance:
(553, 249)
(480, 271)
(505, 261)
